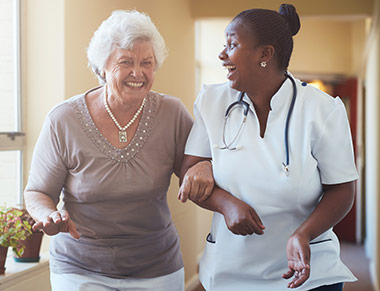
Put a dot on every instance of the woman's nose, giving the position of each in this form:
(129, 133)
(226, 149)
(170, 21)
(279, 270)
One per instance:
(222, 54)
(136, 72)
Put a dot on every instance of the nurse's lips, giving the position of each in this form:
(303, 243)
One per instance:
(231, 69)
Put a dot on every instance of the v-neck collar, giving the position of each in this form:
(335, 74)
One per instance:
(142, 133)
(281, 98)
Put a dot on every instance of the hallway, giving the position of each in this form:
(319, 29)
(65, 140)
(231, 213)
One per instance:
(354, 257)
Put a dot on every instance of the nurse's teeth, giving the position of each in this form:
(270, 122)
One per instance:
(135, 84)
(230, 67)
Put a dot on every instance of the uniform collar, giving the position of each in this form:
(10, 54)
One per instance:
(280, 99)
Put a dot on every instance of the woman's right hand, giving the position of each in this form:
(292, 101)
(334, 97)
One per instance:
(241, 218)
(58, 221)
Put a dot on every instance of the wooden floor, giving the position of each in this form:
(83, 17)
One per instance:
(354, 258)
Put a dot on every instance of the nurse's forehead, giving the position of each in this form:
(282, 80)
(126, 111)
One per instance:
(235, 29)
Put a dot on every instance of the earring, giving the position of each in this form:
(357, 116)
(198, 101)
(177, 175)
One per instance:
(263, 64)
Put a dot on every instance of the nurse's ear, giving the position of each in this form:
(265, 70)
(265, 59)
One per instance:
(267, 53)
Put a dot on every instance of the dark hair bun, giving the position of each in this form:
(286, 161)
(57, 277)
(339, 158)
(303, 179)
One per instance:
(288, 11)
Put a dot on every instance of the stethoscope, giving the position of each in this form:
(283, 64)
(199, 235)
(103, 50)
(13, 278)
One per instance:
(241, 102)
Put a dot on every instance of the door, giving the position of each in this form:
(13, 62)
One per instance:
(347, 91)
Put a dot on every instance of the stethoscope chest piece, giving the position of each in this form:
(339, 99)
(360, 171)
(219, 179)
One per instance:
(286, 169)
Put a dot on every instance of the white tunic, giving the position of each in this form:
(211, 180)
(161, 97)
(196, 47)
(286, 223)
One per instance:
(321, 152)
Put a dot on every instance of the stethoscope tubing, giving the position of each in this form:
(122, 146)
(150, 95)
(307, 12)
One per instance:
(240, 101)
(288, 119)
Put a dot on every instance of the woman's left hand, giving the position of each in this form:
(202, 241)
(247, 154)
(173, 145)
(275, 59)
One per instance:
(197, 183)
(298, 253)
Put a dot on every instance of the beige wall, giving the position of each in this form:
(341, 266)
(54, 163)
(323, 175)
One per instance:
(322, 46)
(329, 46)
(42, 65)
(217, 8)
(372, 166)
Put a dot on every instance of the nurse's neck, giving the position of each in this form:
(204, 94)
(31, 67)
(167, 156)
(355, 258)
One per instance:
(265, 86)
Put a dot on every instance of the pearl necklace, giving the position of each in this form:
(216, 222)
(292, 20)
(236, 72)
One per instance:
(122, 130)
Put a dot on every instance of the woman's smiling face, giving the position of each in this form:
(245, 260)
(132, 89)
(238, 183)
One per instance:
(240, 56)
(130, 73)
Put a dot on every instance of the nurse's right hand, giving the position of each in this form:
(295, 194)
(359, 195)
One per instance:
(241, 218)
(58, 221)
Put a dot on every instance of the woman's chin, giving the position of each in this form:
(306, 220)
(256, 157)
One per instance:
(233, 85)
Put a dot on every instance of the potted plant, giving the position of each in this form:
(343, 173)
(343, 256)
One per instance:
(32, 243)
(13, 230)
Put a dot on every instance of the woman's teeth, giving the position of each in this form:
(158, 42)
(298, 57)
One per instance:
(229, 68)
(135, 84)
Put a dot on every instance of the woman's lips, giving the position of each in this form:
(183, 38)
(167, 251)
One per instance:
(231, 70)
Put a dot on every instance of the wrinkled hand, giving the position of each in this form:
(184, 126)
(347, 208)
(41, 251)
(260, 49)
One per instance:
(298, 252)
(57, 221)
(197, 183)
(242, 219)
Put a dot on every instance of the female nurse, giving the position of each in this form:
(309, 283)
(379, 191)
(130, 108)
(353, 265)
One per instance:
(283, 164)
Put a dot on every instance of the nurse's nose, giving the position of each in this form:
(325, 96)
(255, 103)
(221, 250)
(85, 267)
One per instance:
(222, 54)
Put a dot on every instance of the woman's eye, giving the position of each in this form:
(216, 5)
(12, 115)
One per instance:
(147, 64)
(126, 62)
(229, 46)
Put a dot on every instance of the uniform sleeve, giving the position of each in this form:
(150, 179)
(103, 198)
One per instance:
(184, 125)
(198, 143)
(333, 148)
(48, 171)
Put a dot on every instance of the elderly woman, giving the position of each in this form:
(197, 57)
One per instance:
(112, 151)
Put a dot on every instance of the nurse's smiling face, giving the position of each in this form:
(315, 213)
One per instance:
(240, 56)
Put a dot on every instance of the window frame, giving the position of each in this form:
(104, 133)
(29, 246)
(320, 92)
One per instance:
(15, 140)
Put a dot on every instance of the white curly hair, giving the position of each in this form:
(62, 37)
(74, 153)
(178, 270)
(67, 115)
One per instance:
(121, 30)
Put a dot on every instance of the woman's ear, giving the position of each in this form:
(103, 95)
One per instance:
(267, 53)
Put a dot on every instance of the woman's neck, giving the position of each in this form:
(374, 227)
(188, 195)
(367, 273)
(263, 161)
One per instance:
(264, 89)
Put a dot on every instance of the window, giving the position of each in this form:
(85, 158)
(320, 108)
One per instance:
(11, 136)
(210, 38)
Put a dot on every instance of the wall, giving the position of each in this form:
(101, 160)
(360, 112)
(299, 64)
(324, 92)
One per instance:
(372, 166)
(217, 8)
(322, 46)
(42, 65)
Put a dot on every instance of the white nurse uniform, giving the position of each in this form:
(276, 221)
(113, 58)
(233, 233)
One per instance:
(321, 152)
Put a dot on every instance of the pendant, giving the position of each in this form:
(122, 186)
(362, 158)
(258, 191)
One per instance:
(123, 136)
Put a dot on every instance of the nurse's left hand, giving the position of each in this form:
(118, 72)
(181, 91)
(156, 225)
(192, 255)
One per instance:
(298, 253)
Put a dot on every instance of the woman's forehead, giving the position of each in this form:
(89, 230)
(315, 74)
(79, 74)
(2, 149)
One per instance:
(237, 29)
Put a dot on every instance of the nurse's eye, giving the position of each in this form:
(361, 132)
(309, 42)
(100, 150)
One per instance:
(229, 46)
(232, 46)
